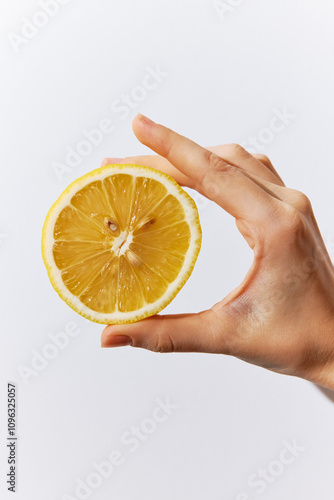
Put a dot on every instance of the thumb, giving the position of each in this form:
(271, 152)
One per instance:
(167, 333)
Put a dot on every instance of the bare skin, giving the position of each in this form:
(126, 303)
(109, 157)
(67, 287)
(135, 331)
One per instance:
(281, 316)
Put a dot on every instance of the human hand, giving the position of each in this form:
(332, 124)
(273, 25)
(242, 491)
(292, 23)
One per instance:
(281, 316)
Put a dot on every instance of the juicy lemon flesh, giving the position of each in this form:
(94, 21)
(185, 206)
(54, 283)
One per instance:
(120, 243)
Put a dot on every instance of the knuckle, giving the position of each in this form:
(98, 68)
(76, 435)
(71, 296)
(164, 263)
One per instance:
(163, 342)
(217, 164)
(263, 158)
(294, 221)
(217, 175)
(235, 149)
(291, 224)
(301, 202)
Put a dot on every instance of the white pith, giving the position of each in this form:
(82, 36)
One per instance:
(122, 243)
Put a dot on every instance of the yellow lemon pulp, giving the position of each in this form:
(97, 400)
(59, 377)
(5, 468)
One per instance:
(120, 242)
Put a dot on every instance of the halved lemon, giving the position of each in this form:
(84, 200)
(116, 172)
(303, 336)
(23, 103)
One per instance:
(120, 242)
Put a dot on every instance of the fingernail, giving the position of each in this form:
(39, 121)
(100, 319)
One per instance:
(116, 341)
(144, 119)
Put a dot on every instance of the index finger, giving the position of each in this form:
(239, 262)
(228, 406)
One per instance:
(225, 184)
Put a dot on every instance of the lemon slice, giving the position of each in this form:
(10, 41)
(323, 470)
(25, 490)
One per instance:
(120, 242)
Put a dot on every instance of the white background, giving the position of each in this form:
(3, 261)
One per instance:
(226, 76)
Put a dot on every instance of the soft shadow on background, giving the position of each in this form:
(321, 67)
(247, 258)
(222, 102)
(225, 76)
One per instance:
(327, 392)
